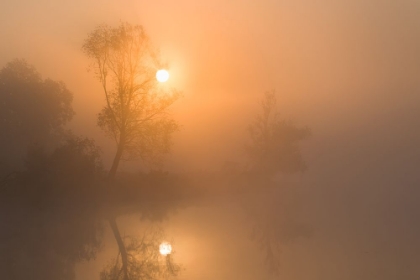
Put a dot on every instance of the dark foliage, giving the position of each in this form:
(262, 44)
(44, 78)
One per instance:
(32, 110)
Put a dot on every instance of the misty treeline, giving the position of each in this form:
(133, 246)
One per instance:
(58, 198)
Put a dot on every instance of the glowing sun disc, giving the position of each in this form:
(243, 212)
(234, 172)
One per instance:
(162, 75)
(165, 248)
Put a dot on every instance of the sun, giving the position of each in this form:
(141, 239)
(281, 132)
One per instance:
(165, 248)
(162, 75)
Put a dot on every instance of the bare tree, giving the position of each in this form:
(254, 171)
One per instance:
(136, 111)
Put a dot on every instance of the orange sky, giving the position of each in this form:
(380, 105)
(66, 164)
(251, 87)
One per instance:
(347, 69)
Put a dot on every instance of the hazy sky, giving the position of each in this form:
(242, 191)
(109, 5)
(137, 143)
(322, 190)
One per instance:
(348, 69)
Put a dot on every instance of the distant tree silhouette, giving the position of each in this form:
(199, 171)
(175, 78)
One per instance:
(32, 110)
(136, 111)
(274, 143)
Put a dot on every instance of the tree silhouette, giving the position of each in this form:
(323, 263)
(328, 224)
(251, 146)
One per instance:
(136, 111)
(274, 143)
(32, 110)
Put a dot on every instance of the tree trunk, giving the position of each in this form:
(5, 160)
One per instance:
(116, 161)
(121, 246)
(112, 220)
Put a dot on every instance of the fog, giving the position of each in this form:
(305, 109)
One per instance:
(346, 70)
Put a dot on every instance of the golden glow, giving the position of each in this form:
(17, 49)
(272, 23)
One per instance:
(162, 75)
